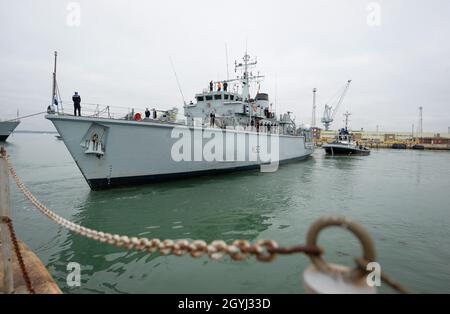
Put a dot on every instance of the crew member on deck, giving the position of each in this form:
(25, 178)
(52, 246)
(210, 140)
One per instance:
(219, 86)
(147, 113)
(154, 113)
(211, 86)
(76, 104)
(225, 86)
(212, 120)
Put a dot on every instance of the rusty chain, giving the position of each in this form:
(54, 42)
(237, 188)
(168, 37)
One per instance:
(19, 256)
(263, 250)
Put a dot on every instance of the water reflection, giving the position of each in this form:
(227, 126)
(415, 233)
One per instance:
(230, 207)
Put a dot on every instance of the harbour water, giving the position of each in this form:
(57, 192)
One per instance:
(401, 197)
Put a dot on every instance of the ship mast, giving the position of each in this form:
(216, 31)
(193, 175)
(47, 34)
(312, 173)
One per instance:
(54, 82)
(247, 76)
(347, 114)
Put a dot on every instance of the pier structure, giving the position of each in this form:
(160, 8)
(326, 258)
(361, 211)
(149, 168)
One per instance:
(378, 139)
(21, 271)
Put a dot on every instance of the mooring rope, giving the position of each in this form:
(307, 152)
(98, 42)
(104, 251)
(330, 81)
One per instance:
(263, 250)
(28, 116)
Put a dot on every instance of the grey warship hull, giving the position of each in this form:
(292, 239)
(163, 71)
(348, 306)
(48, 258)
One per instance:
(142, 152)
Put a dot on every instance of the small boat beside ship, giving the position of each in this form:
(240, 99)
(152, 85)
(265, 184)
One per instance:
(344, 144)
(6, 128)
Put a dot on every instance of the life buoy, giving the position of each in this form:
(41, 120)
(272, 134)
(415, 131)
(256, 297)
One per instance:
(137, 117)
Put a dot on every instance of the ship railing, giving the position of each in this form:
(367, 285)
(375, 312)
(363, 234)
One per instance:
(247, 128)
(110, 112)
(9, 118)
(128, 113)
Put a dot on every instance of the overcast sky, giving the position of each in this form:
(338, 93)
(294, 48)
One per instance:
(119, 55)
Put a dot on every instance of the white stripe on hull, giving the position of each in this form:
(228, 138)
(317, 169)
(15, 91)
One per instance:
(143, 149)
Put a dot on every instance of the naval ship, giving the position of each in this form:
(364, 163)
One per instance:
(225, 129)
(6, 128)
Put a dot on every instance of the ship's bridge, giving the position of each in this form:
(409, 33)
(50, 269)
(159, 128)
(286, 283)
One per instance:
(217, 96)
(230, 106)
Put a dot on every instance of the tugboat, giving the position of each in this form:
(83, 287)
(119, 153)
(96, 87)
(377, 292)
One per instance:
(344, 144)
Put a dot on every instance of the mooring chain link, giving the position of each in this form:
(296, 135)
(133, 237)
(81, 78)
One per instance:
(263, 250)
(23, 269)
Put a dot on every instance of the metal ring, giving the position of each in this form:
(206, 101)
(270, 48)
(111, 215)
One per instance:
(352, 226)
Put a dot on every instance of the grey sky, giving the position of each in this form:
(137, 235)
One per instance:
(119, 55)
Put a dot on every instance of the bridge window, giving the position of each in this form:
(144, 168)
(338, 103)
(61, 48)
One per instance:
(217, 97)
(232, 97)
(225, 96)
(208, 97)
(200, 98)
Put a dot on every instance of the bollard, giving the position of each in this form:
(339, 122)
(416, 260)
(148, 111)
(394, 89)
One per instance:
(319, 282)
(5, 212)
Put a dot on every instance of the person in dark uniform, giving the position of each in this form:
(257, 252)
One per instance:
(147, 113)
(154, 113)
(211, 86)
(212, 120)
(225, 86)
(76, 104)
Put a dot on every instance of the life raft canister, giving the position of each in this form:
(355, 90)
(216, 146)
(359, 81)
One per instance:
(137, 117)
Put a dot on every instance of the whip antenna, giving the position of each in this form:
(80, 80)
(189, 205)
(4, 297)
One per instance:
(178, 82)
(226, 56)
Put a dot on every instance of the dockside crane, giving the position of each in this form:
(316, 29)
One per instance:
(330, 110)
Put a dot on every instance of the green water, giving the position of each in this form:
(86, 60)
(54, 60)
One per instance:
(401, 197)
